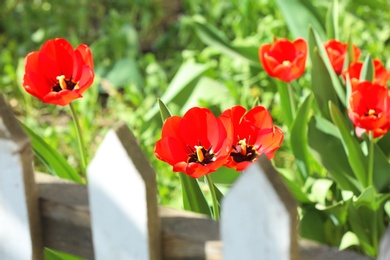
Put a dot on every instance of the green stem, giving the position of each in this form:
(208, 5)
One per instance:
(80, 141)
(213, 196)
(370, 171)
(291, 98)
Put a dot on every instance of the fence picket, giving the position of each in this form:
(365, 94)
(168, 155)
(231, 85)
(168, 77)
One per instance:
(258, 217)
(123, 200)
(20, 234)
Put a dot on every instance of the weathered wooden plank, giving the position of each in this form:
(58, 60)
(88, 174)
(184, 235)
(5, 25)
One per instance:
(189, 235)
(185, 235)
(65, 216)
(257, 220)
(20, 235)
(123, 200)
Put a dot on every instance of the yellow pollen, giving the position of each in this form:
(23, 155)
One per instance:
(242, 144)
(286, 63)
(371, 112)
(61, 81)
(199, 153)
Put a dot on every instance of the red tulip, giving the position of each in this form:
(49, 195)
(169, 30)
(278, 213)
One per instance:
(283, 59)
(337, 51)
(369, 108)
(58, 74)
(196, 144)
(381, 74)
(254, 134)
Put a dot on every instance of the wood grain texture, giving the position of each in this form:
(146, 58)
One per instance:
(20, 228)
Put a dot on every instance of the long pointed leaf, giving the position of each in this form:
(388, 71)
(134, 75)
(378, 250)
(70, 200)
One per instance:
(367, 72)
(332, 21)
(299, 15)
(193, 197)
(356, 158)
(326, 84)
(55, 163)
(326, 145)
(212, 37)
(180, 84)
(298, 138)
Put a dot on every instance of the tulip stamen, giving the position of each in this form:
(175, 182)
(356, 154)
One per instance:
(201, 155)
(244, 152)
(286, 63)
(64, 83)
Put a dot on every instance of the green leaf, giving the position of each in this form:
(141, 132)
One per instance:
(208, 91)
(384, 144)
(312, 225)
(325, 142)
(164, 111)
(293, 187)
(349, 239)
(193, 197)
(332, 20)
(337, 212)
(360, 220)
(356, 158)
(51, 254)
(212, 37)
(319, 190)
(125, 72)
(285, 102)
(299, 15)
(367, 198)
(298, 139)
(381, 170)
(325, 83)
(367, 72)
(55, 163)
(180, 87)
(225, 176)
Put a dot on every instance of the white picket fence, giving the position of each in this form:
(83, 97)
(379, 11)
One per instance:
(116, 215)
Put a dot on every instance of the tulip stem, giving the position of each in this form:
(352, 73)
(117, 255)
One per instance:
(291, 97)
(80, 141)
(213, 197)
(370, 174)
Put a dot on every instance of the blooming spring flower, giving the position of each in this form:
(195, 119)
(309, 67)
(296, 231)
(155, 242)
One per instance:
(196, 144)
(337, 51)
(254, 134)
(369, 108)
(57, 73)
(381, 74)
(283, 59)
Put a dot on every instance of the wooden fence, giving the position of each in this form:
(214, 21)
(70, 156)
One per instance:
(116, 215)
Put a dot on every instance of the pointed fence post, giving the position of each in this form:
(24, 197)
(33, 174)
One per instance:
(20, 233)
(259, 217)
(123, 200)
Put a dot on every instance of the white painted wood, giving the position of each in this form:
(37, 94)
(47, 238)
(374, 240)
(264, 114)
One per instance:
(15, 240)
(254, 223)
(118, 203)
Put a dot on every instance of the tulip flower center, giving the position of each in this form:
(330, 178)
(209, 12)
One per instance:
(201, 155)
(286, 63)
(64, 84)
(244, 152)
(371, 113)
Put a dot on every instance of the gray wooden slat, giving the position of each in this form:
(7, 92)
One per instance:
(20, 233)
(123, 200)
